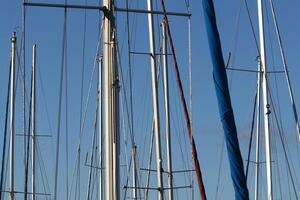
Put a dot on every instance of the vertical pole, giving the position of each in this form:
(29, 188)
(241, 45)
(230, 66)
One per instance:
(111, 102)
(134, 174)
(257, 160)
(167, 109)
(33, 124)
(155, 102)
(12, 111)
(100, 124)
(266, 107)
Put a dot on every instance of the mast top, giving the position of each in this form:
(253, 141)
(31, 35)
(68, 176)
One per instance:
(14, 37)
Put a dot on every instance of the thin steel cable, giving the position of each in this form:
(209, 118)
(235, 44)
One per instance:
(81, 100)
(60, 102)
(219, 170)
(28, 145)
(23, 47)
(251, 136)
(284, 148)
(252, 26)
(67, 121)
(191, 138)
(4, 140)
(286, 72)
(277, 93)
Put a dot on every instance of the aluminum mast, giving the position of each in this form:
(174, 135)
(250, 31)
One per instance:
(257, 162)
(12, 119)
(111, 102)
(33, 124)
(155, 102)
(266, 105)
(167, 109)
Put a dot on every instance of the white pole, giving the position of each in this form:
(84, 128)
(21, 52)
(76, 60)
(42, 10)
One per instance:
(111, 100)
(167, 109)
(257, 160)
(134, 174)
(33, 124)
(100, 125)
(12, 110)
(266, 107)
(155, 102)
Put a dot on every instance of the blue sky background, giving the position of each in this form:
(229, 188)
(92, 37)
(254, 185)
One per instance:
(44, 27)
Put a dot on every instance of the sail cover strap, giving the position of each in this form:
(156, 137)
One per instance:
(224, 103)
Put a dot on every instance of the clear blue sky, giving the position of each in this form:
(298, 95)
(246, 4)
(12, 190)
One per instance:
(44, 27)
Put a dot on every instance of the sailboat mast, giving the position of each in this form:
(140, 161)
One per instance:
(33, 124)
(134, 174)
(257, 162)
(167, 109)
(12, 111)
(100, 149)
(111, 102)
(155, 102)
(266, 106)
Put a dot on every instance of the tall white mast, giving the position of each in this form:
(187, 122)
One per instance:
(134, 173)
(111, 102)
(100, 148)
(12, 112)
(155, 102)
(33, 124)
(257, 160)
(266, 105)
(167, 109)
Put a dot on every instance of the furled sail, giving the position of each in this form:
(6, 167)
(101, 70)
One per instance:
(224, 103)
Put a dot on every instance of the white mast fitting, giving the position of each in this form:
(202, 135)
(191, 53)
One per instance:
(167, 109)
(111, 102)
(155, 102)
(33, 124)
(266, 105)
(12, 119)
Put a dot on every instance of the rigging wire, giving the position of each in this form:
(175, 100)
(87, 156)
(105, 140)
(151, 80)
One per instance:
(86, 107)
(28, 144)
(78, 184)
(283, 58)
(286, 72)
(64, 39)
(277, 94)
(130, 99)
(252, 26)
(4, 140)
(126, 105)
(285, 150)
(89, 197)
(277, 164)
(23, 47)
(192, 141)
(41, 165)
(219, 170)
(66, 122)
(251, 135)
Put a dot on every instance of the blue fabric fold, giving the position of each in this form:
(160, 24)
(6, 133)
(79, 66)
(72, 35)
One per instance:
(224, 103)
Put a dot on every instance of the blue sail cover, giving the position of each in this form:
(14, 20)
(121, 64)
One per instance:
(224, 103)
